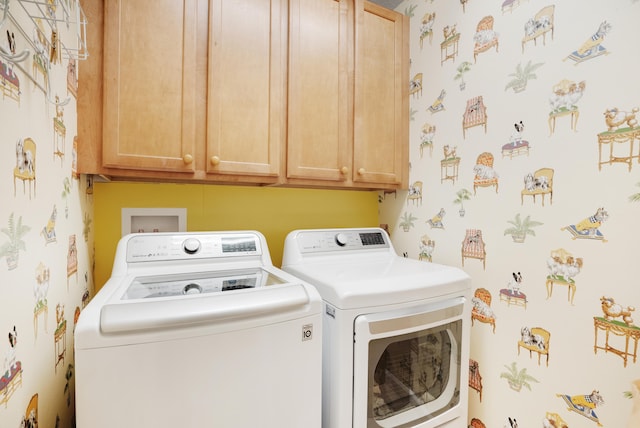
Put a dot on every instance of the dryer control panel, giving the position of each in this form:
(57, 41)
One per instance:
(311, 241)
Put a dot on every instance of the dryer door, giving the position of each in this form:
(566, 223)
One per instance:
(407, 366)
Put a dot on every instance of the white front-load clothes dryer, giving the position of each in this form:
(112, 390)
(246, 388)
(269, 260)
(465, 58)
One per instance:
(396, 331)
(199, 330)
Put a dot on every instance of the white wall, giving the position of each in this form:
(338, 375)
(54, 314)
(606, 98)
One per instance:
(580, 186)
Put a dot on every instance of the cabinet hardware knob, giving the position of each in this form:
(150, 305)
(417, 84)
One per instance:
(361, 171)
(215, 160)
(187, 159)
(344, 170)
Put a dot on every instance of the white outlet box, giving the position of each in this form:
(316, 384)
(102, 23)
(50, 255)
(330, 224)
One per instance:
(136, 220)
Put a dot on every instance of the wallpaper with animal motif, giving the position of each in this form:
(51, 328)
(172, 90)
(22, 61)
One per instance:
(525, 168)
(45, 216)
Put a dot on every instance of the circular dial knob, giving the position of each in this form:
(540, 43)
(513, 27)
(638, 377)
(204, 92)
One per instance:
(192, 289)
(191, 246)
(341, 239)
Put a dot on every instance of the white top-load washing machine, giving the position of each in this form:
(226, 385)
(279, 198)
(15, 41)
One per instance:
(396, 331)
(199, 329)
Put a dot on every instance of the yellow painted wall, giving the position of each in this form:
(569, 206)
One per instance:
(272, 211)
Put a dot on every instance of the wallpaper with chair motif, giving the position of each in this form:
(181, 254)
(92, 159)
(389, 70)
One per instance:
(525, 172)
(45, 216)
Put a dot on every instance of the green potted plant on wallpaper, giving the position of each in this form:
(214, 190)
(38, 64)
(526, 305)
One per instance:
(521, 228)
(521, 76)
(463, 68)
(461, 196)
(517, 378)
(11, 249)
(407, 221)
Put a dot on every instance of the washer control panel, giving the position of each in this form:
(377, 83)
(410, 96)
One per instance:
(148, 247)
(311, 241)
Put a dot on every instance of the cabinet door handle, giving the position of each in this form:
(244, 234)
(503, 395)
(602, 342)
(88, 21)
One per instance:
(361, 171)
(344, 170)
(187, 159)
(215, 160)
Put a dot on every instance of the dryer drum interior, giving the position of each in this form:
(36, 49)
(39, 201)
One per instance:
(414, 370)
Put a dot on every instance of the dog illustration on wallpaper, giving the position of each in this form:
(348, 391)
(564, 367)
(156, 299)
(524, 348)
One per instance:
(30, 418)
(562, 266)
(59, 335)
(533, 182)
(415, 85)
(25, 169)
(613, 310)
(515, 283)
(427, 245)
(49, 231)
(24, 158)
(11, 376)
(40, 291)
(437, 105)
(10, 357)
(516, 137)
(516, 145)
(616, 118)
(539, 25)
(511, 423)
(592, 47)
(566, 95)
(564, 102)
(584, 405)
(589, 228)
(426, 138)
(485, 172)
(553, 420)
(449, 152)
(513, 294)
(436, 221)
(426, 27)
(530, 338)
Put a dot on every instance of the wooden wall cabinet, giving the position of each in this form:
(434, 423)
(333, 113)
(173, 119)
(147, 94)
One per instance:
(246, 93)
(172, 92)
(284, 92)
(348, 95)
(381, 106)
(150, 85)
(319, 69)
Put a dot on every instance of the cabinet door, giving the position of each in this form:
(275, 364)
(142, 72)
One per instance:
(381, 107)
(318, 140)
(245, 115)
(150, 85)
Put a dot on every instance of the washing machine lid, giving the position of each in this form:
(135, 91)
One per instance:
(355, 281)
(157, 302)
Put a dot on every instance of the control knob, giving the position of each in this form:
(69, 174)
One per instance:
(341, 239)
(191, 245)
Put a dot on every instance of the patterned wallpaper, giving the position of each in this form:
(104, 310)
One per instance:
(45, 219)
(525, 172)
